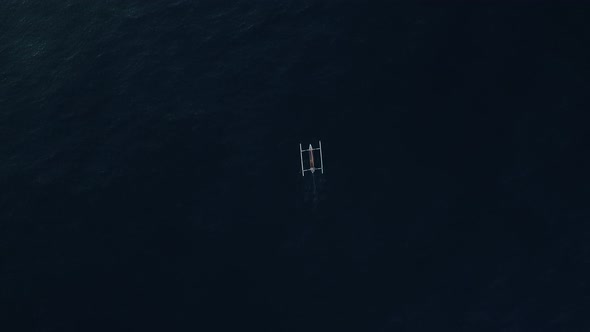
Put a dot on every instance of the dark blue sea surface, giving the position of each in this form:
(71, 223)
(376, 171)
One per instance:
(150, 174)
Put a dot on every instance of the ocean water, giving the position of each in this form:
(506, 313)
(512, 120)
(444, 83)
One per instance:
(150, 175)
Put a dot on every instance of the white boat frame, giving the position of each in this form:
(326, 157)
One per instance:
(311, 149)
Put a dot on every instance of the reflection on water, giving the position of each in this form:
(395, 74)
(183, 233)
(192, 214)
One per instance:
(314, 189)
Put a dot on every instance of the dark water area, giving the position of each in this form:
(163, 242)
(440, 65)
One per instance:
(150, 174)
